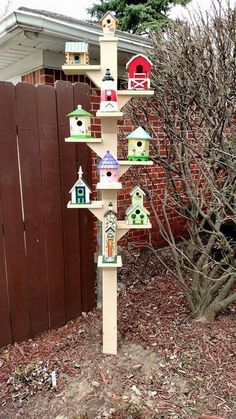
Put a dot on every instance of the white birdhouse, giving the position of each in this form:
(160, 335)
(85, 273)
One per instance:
(110, 241)
(109, 24)
(80, 192)
(80, 123)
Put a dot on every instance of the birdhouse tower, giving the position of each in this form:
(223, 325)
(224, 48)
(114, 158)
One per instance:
(108, 94)
(138, 145)
(76, 53)
(80, 123)
(109, 24)
(108, 168)
(110, 242)
(80, 192)
(136, 214)
(139, 68)
(105, 77)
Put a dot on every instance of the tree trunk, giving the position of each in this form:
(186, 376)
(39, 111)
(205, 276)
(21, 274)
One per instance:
(207, 315)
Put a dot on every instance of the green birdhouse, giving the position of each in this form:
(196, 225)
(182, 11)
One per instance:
(80, 124)
(138, 145)
(136, 213)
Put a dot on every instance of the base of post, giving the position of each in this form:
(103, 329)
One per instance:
(109, 265)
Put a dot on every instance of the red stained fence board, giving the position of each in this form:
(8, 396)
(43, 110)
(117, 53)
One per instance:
(12, 216)
(43, 283)
(84, 158)
(68, 166)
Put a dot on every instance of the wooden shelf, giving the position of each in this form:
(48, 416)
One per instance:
(92, 205)
(116, 185)
(122, 225)
(79, 69)
(107, 265)
(83, 140)
(135, 163)
(123, 228)
(92, 71)
(117, 114)
(125, 95)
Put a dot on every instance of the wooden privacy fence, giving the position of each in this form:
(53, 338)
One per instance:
(46, 250)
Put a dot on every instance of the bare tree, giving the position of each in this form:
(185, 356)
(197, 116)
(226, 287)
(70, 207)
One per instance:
(195, 85)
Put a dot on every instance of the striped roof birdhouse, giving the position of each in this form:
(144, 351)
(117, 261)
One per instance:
(108, 169)
(80, 123)
(80, 192)
(76, 53)
(139, 68)
(138, 145)
(109, 24)
(136, 213)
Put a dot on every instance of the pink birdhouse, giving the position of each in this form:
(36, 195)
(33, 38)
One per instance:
(108, 168)
(139, 68)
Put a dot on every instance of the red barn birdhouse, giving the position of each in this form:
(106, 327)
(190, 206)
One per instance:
(139, 68)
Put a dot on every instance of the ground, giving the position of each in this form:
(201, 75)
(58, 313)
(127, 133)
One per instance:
(167, 365)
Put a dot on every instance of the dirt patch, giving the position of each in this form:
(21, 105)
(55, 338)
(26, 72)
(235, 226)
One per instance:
(167, 366)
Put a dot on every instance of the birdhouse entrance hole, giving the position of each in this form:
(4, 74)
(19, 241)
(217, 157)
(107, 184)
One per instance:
(77, 58)
(139, 143)
(139, 69)
(79, 123)
(108, 174)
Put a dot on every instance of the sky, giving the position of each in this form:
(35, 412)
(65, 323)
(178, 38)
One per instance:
(77, 8)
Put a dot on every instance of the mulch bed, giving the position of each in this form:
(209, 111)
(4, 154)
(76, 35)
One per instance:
(167, 367)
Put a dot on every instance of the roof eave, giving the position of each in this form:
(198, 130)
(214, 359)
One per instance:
(66, 29)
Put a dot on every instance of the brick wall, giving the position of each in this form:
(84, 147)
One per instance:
(155, 177)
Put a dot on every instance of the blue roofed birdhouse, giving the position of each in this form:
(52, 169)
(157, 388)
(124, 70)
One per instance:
(138, 145)
(77, 53)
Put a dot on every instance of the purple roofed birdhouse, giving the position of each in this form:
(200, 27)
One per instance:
(108, 169)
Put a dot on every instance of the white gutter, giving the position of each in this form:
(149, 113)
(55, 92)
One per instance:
(29, 21)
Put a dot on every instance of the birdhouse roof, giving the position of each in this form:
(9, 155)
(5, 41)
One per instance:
(135, 57)
(133, 208)
(137, 189)
(106, 15)
(108, 162)
(76, 47)
(139, 134)
(80, 182)
(79, 111)
(110, 210)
